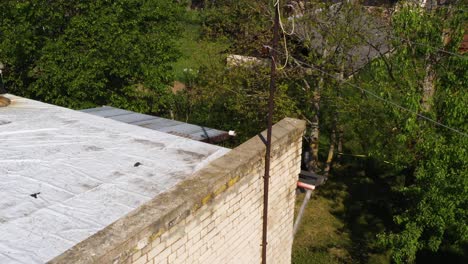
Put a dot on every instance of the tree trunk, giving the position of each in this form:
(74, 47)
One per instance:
(428, 86)
(340, 144)
(315, 126)
(339, 127)
(331, 152)
(315, 129)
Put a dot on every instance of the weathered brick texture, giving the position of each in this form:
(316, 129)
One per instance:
(219, 218)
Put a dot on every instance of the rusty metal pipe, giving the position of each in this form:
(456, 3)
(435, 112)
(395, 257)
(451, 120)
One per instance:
(271, 106)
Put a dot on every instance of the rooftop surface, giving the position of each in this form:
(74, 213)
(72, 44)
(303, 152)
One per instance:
(174, 127)
(65, 175)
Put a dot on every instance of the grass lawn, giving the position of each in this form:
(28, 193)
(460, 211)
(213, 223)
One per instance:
(322, 237)
(196, 52)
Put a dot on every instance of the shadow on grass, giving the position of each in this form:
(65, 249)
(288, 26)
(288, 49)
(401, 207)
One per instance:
(442, 256)
(346, 214)
(320, 239)
(361, 200)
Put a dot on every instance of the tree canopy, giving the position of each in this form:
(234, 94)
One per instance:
(85, 53)
(403, 108)
(394, 109)
(433, 213)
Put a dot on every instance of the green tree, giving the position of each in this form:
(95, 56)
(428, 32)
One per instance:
(234, 98)
(427, 163)
(87, 53)
(427, 76)
(244, 23)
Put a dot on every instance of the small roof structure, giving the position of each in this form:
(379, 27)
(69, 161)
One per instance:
(65, 175)
(174, 127)
(311, 178)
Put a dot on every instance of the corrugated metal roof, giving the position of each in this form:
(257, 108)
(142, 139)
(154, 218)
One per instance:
(174, 127)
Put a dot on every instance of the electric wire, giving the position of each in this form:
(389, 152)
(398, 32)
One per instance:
(284, 32)
(390, 35)
(429, 46)
(377, 96)
(286, 53)
(281, 23)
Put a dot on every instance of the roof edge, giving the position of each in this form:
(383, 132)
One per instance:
(171, 207)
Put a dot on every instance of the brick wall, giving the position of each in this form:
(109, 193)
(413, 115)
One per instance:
(213, 217)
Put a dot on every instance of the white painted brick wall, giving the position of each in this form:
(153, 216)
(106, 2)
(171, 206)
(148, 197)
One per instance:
(229, 229)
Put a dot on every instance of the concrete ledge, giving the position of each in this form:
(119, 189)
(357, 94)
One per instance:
(151, 220)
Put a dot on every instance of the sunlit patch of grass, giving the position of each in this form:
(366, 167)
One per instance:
(322, 237)
(196, 52)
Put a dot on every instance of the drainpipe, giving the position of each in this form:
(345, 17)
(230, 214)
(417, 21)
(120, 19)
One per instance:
(310, 189)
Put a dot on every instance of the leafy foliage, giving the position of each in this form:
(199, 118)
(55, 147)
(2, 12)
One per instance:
(244, 23)
(432, 213)
(234, 99)
(87, 53)
(120, 52)
(426, 164)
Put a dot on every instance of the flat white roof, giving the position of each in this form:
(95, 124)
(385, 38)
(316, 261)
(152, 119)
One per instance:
(65, 175)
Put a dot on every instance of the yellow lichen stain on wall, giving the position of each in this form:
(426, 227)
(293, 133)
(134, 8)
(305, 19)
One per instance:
(154, 236)
(206, 199)
(220, 190)
(233, 181)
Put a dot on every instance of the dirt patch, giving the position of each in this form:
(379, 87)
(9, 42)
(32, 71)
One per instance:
(178, 86)
(191, 156)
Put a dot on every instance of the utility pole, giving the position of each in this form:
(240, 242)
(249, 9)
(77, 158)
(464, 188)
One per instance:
(271, 106)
